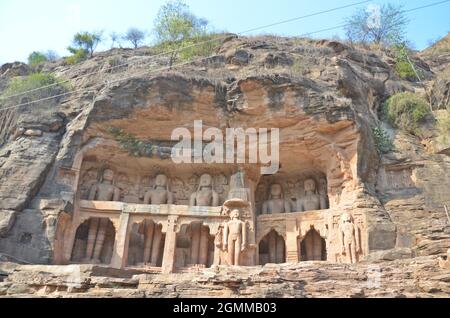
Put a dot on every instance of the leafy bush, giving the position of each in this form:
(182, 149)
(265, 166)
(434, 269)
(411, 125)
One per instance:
(78, 55)
(403, 65)
(36, 58)
(19, 85)
(406, 111)
(87, 41)
(85, 44)
(382, 140)
(405, 70)
(197, 46)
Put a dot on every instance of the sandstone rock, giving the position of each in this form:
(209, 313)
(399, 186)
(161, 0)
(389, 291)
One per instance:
(7, 219)
(238, 57)
(401, 278)
(33, 133)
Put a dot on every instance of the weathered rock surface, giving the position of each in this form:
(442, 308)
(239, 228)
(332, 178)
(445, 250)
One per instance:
(419, 277)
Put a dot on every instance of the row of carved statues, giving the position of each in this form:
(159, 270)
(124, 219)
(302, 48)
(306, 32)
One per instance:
(205, 195)
(232, 238)
(311, 200)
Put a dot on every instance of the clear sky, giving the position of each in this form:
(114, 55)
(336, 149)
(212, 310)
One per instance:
(29, 25)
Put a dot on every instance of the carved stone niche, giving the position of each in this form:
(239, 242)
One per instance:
(100, 183)
(287, 193)
(146, 244)
(94, 241)
(312, 246)
(208, 189)
(347, 238)
(396, 178)
(236, 237)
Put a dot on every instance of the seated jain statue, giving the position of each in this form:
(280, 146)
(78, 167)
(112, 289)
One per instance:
(205, 194)
(312, 200)
(105, 190)
(276, 202)
(160, 194)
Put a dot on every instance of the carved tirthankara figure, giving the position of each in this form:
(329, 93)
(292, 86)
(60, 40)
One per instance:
(323, 192)
(105, 190)
(205, 194)
(234, 237)
(160, 193)
(311, 200)
(276, 202)
(349, 238)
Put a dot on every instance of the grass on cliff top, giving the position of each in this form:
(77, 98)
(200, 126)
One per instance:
(25, 84)
(202, 45)
(407, 111)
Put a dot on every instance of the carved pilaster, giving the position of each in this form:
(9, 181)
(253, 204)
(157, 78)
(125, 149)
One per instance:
(291, 241)
(168, 264)
(120, 251)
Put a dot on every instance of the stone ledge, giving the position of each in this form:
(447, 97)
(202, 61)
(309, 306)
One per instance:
(419, 277)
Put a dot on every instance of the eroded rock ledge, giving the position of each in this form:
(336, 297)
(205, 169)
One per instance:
(419, 277)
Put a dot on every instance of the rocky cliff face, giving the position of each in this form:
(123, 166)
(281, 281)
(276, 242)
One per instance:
(324, 96)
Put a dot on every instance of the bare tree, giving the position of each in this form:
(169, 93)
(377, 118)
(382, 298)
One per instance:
(384, 24)
(115, 39)
(135, 36)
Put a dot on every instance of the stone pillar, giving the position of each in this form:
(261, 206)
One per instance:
(69, 245)
(168, 265)
(157, 236)
(92, 235)
(103, 223)
(204, 246)
(272, 247)
(280, 250)
(120, 253)
(292, 250)
(148, 230)
(195, 242)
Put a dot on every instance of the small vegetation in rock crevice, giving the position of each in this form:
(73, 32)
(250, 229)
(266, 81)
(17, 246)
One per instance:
(27, 88)
(403, 67)
(406, 111)
(443, 127)
(382, 141)
(140, 148)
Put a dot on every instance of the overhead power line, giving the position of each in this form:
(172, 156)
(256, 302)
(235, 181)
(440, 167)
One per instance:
(195, 45)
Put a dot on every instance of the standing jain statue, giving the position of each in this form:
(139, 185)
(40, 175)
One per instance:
(205, 194)
(349, 238)
(160, 194)
(234, 237)
(105, 190)
(276, 202)
(312, 200)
